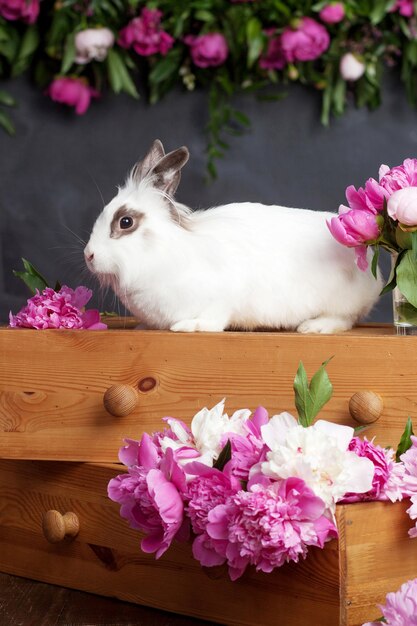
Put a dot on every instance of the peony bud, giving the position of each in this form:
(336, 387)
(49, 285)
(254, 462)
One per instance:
(402, 206)
(351, 67)
(92, 44)
(332, 13)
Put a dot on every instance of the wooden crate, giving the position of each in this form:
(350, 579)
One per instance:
(52, 382)
(52, 417)
(339, 585)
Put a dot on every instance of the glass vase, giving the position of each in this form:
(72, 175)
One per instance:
(405, 314)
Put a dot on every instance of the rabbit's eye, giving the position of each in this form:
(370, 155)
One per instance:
(126, 222)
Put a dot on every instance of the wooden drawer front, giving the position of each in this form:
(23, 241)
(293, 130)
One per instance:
(52, 382)
(338, 585)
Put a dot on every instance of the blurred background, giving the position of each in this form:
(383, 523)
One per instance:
(59, 169)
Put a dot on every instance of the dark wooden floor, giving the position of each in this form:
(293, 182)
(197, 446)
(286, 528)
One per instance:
(29, 603)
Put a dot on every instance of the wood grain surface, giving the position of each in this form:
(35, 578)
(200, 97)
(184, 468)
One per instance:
(52, 382)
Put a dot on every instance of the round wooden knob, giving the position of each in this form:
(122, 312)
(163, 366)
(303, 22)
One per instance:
(366, 406)
(120, 400)
(57, 527)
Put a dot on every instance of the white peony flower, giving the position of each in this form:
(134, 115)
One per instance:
(209, 425)
(317, 454)
(92, 44)
(351, 67)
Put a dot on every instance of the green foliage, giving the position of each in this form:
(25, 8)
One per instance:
(311, 397)
(31, 277)
(224, 456)
(405, 441)
(370, 29)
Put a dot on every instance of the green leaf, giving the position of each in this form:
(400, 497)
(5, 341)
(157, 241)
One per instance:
(392, 280)
(69, 53)
(405, 441)
(379, 10)
(254, 39)
(31, 277)
(165, 67)
(119, 77)
(27, 47)
(310, 398)
(6, 99)
(6, 123)
(407, 277)
(374, 264)
(224, 456)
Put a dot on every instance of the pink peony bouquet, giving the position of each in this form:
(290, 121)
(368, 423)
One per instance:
(383, 214)
(254, 490)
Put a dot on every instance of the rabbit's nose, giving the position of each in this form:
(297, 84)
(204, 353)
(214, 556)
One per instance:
(89, 256)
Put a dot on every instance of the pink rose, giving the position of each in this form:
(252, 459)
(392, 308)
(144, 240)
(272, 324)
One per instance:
(208, 50)
(351, 67)
(332, 13)
(75, 92)
(25, 10)
(306, 41)
(402, 206)
(145, 35)
(58, 309)
(92, 44)
(274, 58)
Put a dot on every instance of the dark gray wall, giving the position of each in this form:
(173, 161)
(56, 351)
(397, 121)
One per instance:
(54, 170)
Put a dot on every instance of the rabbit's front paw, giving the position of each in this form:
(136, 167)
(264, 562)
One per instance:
(197, 325)
(325, 325)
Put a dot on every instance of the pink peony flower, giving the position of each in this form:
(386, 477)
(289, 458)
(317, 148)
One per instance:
(208, 50)
(306, 41)
(92, 44)
(274, 57)
(400, 607)
(249, 449)
(388, 477)
(351, 67)
(25, 10)
(402, 206)
(145, 35)
(332, 13)
(268, 526)
(398, 177)
(75, 92)
(404, 7)
(58, 309)
(354, 227)
(208, 488)
(150, 498)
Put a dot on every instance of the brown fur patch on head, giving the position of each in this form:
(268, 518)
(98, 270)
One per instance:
(116, 231)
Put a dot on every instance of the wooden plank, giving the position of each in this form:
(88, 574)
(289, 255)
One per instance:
(52, 382)
(105, 557)
(376, 554)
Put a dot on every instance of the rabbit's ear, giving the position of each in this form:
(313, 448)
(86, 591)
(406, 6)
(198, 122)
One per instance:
(167, 172)
(155, 153)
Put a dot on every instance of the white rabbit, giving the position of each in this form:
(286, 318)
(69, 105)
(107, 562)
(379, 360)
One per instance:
(243, 265)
